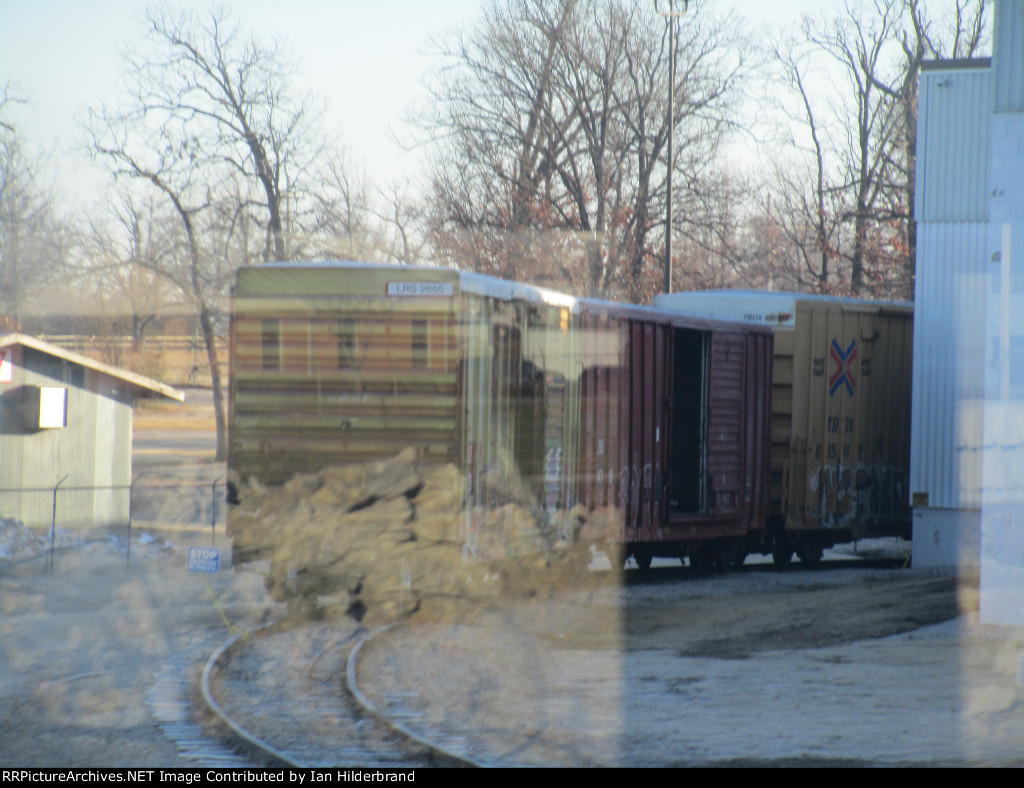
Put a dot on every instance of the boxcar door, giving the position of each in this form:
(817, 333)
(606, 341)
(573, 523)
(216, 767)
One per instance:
(726, 386)
(687, 470)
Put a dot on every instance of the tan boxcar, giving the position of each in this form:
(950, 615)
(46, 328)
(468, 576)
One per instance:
(656, 423)
(840, 413)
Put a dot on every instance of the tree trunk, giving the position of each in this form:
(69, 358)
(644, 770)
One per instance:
(218, 390)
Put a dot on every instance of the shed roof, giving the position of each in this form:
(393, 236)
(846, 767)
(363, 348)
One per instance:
(135, 379)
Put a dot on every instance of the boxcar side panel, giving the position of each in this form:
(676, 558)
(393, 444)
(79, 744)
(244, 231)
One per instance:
(850, 441)
(600, 397)
(327, 367)
(646, 437)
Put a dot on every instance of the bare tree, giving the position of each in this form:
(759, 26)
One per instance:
(551, 117)
(345, 221)
(33, 239)
(845, 202)
(167, 159)
(212, 125)
(126, 250)
(403, 219)
(807, 206)
(856, 42)
(962, 35)
(233, 92)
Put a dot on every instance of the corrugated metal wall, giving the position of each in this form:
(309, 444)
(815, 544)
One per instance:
(1008, 55)
(949, 364)
(952, 276)
(953, 123)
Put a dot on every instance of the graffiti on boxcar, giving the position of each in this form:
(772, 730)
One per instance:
(636, 486)
(630, 483)
(552, 474)
(864, 494)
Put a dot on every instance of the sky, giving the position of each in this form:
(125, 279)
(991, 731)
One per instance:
(366, 59)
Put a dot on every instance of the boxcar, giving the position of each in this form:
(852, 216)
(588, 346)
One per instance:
(840, 450)
(654, 422)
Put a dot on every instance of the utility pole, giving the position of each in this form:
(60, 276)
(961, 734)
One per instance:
(670, 15)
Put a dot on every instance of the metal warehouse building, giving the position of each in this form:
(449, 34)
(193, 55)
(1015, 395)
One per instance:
(967, 461)
(66, 434)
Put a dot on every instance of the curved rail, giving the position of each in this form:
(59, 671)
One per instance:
(247, 739)
(445, 757)
(437, 754)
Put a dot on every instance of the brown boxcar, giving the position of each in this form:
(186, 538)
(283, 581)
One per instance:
(840, 413)
(674, 432)
(657, 424)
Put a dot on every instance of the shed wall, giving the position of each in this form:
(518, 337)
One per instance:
(92, 454)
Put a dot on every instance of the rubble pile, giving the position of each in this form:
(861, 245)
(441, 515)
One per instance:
(386, 539)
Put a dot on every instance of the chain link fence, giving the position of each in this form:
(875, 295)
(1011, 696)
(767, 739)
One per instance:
(65, 514)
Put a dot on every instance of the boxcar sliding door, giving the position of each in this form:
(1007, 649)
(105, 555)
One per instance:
(688, 467)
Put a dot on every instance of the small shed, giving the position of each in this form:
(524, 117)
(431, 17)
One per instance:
(66, 434)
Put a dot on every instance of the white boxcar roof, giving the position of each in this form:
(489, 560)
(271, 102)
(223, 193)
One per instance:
(763, 307)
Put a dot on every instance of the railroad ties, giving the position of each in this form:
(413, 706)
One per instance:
(287, 688)
(169, 701)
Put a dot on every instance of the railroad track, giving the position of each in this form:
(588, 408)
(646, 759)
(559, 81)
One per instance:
(287, 696)
(304, 714)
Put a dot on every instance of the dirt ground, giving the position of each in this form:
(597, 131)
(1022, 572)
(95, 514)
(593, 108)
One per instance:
(81, 645)
(838, 665)
(80, 648)
(830, 666)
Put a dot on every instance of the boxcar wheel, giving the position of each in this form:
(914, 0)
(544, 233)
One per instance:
(643, 558)
(809, 553)
(782, 550)
(702, 560)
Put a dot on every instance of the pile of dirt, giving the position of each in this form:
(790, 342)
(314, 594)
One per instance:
(387, 539)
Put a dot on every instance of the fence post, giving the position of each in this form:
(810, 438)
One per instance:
(53, 523)
(213, 511)
(131, 495)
